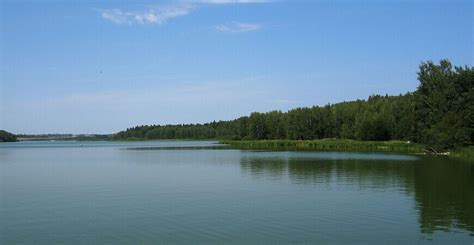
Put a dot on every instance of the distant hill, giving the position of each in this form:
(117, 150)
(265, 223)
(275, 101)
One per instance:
(7, 136)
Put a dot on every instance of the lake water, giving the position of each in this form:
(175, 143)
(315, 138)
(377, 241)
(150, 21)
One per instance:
(185, 192)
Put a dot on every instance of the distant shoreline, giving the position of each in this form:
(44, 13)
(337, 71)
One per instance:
(341, 145)
(64, 137)
(465, 153)
(329, 145)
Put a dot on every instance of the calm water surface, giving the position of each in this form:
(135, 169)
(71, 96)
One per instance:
(194, 192)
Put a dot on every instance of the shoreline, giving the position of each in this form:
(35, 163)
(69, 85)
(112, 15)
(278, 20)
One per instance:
(328, 145)
(342, 145)
(465, 153)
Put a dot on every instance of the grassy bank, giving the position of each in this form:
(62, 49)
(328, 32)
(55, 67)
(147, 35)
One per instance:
(466, 153)
(328, 145)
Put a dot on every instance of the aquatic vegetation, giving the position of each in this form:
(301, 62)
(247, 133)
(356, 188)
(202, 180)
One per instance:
(329, 145)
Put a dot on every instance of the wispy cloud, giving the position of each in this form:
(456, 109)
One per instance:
(152, 15)
(161, 14)
(239, 27)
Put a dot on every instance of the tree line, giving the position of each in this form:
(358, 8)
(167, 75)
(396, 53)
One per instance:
(439, 114)
(7, 136)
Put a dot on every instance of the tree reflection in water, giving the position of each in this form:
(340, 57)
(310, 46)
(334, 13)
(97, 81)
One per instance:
(443, 188)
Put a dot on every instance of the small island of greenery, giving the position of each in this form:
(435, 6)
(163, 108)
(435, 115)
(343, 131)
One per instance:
(7, 136)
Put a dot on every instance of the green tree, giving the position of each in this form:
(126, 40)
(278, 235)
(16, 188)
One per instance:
(443, 105)
(7, 136)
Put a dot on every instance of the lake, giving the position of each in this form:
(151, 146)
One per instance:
(195, 192)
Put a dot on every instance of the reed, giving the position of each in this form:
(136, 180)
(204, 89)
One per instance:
(466, 153)
(328, 145)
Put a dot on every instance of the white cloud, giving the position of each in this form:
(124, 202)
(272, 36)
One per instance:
(161, 14)
(114, 15)
(157, 15)
(239, 27)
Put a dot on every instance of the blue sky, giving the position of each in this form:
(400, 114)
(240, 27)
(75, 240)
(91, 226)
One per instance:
(103, 66)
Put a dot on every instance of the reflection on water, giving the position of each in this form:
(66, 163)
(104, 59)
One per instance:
(443, 188)
(444, 195)
(175, 192)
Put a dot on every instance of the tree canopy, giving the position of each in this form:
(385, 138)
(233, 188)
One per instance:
(440, 114)
(6, 136)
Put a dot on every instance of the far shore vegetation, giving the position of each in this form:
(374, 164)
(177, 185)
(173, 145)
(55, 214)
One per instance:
(466, 153)
(328, 145)
(7, 136)
(58, 137)
(438, 117)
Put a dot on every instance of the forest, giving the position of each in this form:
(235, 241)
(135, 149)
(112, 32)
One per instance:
(439, 114)
(7, 136)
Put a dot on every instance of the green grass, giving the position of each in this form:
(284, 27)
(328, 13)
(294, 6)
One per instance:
(328, 145)
(466, 153)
